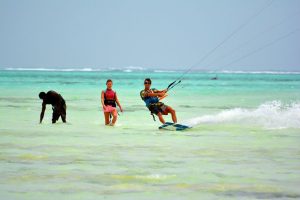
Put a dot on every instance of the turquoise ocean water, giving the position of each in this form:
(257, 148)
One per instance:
(244, 143)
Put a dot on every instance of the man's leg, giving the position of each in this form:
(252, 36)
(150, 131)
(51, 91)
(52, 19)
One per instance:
(160, 117)
(63, 113)
(55, 116)
(173, 113)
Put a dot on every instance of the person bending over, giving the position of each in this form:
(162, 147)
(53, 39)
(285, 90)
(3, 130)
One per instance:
(58, 105)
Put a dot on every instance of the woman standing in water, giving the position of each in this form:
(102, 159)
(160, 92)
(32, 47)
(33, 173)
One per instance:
(109, 100)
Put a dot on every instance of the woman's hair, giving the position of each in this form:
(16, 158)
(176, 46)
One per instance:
(108, 80)
(148, 79)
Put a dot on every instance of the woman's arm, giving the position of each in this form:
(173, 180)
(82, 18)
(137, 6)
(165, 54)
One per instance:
(102, 100)
(118, 103)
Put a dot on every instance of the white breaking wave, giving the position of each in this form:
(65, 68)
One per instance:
(124, 69)
(271, 115)
(165, 71)
(254, 72)
(53, 69)
(134, 68)
(142, 69)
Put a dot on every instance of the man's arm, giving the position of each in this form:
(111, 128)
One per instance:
(160, 91)
(43, 111)
(156, 93)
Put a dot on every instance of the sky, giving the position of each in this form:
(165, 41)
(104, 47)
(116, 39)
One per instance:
(165, 34)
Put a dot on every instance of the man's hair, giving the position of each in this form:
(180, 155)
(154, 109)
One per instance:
(148, 79)
(108, 80)
(42, 95)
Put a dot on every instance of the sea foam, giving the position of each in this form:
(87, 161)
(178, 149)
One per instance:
(271, 115)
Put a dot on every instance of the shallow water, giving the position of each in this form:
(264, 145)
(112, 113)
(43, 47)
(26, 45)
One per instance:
(244, 143)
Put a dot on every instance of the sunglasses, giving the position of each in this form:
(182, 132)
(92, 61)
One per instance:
(147, 83)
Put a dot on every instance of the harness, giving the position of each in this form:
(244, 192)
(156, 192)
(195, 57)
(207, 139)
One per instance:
(110, 102)
(153, 107)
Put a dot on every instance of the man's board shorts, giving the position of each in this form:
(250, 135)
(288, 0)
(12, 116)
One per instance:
(156, 108)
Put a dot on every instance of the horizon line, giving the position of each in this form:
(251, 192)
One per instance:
(141, 69)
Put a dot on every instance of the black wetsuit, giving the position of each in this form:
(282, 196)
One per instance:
(58, 105)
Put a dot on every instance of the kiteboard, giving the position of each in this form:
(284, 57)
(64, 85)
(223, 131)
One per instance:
(173, 127)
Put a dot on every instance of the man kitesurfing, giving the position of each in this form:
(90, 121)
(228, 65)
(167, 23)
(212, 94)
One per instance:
(152, 97)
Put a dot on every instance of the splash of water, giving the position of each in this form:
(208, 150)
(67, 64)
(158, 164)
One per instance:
(271, 115)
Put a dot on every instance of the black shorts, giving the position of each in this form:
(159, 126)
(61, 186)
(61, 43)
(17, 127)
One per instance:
(157, 108)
